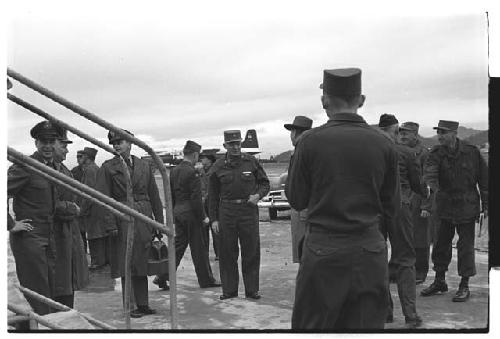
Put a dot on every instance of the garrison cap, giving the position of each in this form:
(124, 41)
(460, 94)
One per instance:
(63, 135)
(45, 130)
(80, 152)
(90, 152)
(113, 136)
(409, 126)
(299, 122)
(232, 135)
(387, 120)
(210, 154)
(447, 125)
(191, 147)
(342, 82)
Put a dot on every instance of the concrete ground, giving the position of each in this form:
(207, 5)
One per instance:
(202, 309)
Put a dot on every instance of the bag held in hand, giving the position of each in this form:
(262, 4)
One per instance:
(158, 257)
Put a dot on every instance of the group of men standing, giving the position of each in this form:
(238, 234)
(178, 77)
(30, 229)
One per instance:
(363, 185)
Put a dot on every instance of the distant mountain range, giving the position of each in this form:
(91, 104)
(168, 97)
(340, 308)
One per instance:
(473, 136)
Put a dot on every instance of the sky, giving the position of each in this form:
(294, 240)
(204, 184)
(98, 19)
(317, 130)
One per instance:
(191, 70)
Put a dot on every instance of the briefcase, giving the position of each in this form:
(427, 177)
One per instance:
(158, 257)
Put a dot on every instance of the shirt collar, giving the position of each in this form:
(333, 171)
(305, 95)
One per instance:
(352, 117)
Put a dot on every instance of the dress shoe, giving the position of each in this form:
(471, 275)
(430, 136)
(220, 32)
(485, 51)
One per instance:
(228, 296)
(161, 284)
(136, 313)
(436, 287)
(413, 322)
(213, 284)
(146, 310)
(253, 295)
(462, 294)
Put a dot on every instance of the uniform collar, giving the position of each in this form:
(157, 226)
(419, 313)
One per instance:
(352, 117)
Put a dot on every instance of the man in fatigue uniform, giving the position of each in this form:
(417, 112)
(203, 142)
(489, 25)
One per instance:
(189, 217)
(111, 181)
(420, 206)
(77, 171)
(32, 234)
(208, 158)
(297, 218)
(71, 273)
(346, 174)
(237, 182)
(455, 170)
(400, 230)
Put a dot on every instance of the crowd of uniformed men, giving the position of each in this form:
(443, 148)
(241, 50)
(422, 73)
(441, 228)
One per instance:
(351, 187)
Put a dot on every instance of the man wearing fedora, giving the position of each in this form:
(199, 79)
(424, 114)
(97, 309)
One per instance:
(189, 218)
(237, 182)
(298, 219)
(111, 180)
(458, 174)
(346, 174)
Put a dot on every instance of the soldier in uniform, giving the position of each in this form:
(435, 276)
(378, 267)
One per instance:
(208, 158)
(458, 174)
(189, 217)
(77, 171)
(420, 207)
(237, 182)
(111, 181)
(71, 268)
(346, 174)
(32, 234)
(400, 230)
(297, 218)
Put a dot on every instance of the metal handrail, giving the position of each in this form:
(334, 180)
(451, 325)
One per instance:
(159, 164)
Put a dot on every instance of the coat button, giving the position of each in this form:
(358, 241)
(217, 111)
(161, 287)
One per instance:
(318, 252)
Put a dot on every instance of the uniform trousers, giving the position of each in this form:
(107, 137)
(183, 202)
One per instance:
(239, 222)
(139, 289)
(99, 251)
(442, 251)
(342, 281)
(403, 255)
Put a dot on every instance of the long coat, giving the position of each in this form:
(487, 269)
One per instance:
(71, 273)
(111, 181)
(87, 221)
(33, 198)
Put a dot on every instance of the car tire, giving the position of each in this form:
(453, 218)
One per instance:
(273, 213)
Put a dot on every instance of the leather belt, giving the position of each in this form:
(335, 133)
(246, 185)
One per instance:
(235, 201)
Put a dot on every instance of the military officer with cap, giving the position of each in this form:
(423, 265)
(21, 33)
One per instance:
(111, 180)
(458, 174)
(346, 174)
(207, 159)
(190, 217)
(77, 171)
(298, 219)
(420, 207)
(71, 268)
(31, 233)
(400, 230)
(237, 182)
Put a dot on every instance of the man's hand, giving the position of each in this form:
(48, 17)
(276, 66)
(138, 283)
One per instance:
(215, 227)
(206, 221)
(22, 225)
(254, 199)
(77, 209)
(425, 214)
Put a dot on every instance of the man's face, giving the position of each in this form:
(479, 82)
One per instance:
(80, 158)
(46, 147)
(233, 148)
(122, 147)
(206, 162)
(446, 138)
(60, 151)
(408, 138)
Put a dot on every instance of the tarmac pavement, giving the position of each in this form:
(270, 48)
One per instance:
(201, 308)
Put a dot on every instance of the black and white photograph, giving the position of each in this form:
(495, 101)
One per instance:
(234, 166)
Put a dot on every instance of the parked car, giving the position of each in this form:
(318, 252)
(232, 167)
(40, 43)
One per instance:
(276, 200)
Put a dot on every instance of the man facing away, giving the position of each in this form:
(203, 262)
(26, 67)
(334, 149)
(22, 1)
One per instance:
(346, 174)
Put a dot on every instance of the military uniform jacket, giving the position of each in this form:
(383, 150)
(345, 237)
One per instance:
(112, 182)
(87, 223)
(33, 197)
(71, 272)
(77, 172)
(346, 174)
(455, 176)
(230, 180)
(186, 190)
(410, 175)
(421, 155)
